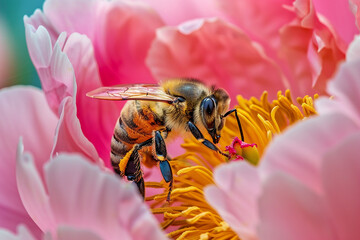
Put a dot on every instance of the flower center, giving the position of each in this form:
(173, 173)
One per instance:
(188, 212)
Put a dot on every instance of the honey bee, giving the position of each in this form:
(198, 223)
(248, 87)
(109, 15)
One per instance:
(160, 112)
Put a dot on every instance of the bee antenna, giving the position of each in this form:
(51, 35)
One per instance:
(237, 119)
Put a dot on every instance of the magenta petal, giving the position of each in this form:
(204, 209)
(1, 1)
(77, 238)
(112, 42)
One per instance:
(24, 113)
(120, 47)
(290, 210)
(231, 60)
(69, 136)
(339, 14)
(299, 151)
(235, 197)
(85, 197)
(341, 177)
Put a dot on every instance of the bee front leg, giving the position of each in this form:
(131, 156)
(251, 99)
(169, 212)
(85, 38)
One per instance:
(200, 137)
(161, 156)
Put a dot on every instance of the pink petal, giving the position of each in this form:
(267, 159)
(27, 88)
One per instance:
(346, 89)
(312, 49)
(230, 60)
(235, 197)
(32, 191)
(290, 210)
(97, 124)
(73, 15)
(120, 47)
(177, 11)
(339, 14)
(267, 17)
(69, 137)
(22, 234)
(54, 68)
(341, 175)
(39, 45)
(39, 19)
(298, 152)
(24, 112)
(83, 196)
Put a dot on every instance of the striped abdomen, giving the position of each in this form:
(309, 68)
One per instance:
(135, 125)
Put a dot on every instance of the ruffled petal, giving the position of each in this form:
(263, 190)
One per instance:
(298, 152)
(24, 113)
(290, 210)
(230, 60)
(339, 15)
(341, 175)
(311, 49)
(235, 197)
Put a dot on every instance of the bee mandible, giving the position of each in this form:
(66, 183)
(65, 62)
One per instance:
(160, 112)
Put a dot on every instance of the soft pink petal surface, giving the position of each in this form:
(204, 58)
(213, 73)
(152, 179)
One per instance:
(234, 197)
(341, 175)
(290, 210)
(298, 152)
(230, 60)
(79, 194)
(24, 113)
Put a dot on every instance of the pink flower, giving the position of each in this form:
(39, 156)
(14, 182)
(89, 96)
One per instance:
(306, 185)
(116, 42)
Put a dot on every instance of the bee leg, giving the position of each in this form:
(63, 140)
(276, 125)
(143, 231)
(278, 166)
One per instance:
(161, 155)
(200, 137)
(237, 119)
(133, 169)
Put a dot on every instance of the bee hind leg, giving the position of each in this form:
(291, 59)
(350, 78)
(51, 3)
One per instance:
(132, 170)
(161, 156)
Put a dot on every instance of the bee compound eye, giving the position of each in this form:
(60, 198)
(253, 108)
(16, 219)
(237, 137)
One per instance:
(208, 106)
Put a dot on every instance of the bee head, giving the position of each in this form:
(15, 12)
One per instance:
(211, 110)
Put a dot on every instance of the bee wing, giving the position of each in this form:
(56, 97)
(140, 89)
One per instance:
(149, 92)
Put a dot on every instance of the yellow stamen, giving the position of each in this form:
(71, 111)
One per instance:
(188, 209)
